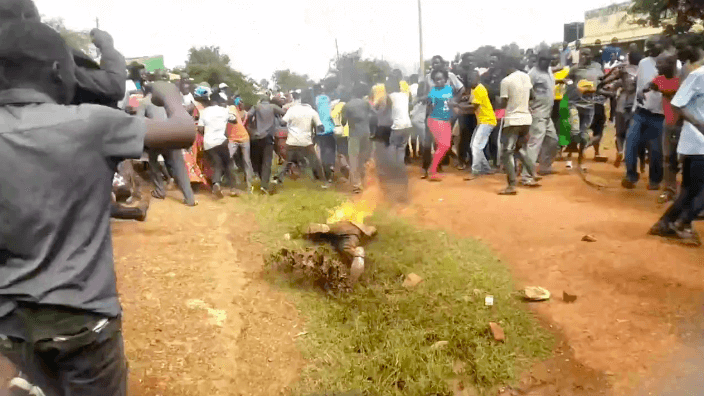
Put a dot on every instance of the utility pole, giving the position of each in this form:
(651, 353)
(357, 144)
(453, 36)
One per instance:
(337, 49)
(97, 23)
(420, 34)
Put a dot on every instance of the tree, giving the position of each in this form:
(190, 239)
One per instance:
(675, 16)
(207, 64)
(289, 81)
(79, 40)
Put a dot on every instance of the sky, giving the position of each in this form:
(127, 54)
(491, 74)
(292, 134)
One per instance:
(263, 36)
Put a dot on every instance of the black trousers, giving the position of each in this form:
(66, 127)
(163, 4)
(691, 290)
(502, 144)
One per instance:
(262, 152)
(690, 202)
(219, 158)
(176, 166)
(467, 125)
(86, 360)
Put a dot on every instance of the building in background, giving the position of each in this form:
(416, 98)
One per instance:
(604, 24)
(573, 31)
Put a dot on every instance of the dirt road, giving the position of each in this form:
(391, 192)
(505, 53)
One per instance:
(199, 320)
(634, 291)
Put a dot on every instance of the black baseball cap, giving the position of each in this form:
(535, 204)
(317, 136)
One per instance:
(21, 40)
(12, 10)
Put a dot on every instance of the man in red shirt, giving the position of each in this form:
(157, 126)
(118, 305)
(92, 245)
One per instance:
(668, 83)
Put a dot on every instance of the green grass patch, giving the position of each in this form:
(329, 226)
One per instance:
(379, 339)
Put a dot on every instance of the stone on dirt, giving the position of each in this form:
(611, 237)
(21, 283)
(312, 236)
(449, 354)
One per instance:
(412, 280)
(588, 238)
(568, 298)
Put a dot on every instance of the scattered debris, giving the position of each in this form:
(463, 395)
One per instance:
(588, 238)
(217, 317)
(568, 298)
(412, 280)
(536, 293)
(320, 267)
(287, 237)
(439, 345)
(489, 301)
(497, 332)
(301, 333)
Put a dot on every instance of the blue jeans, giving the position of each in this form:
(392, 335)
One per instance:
(479, 140)
(646, 128)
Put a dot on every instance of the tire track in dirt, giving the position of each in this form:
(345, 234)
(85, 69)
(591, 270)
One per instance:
(199, 319)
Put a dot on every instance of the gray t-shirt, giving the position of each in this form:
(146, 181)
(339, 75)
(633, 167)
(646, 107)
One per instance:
(544, 89)
(58, 164)
(590, 73)
(358, 113)
(265, 114)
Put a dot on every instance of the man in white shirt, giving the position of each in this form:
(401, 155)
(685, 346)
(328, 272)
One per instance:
(516, 92)
(213, 125)
(677, 221)
(647, 123)
(302, 121)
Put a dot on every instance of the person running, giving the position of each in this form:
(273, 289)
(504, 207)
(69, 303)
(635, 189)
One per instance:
(302, 121)
(60, 315)
(212, 124)
(239, 144)
(172, 158)
(401, 128)
(326, 139)
(439, 118)
(543, 139)
(677, 220)
(623, 80)
(581, 94)
(516, 93)
(647, 123)
(357, 113)
(667, 83)
(486, 122)
(262, 139)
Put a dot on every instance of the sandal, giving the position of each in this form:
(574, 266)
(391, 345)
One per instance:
(508, 191)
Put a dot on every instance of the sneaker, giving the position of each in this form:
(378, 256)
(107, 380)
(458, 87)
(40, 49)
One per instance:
(508, 191)
(619, 159)
(568, 165)
(662, 229)
(627, 183)
(530, 183)
(425, 175)
(325, 186)
(217, 191)
(688, 236)
(653, 187)
(461, 167)
(264, 191)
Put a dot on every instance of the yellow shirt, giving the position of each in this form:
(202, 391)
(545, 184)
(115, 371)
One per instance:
(405, 88)
(336, 115)
(560, 88)
(378, 94)
(485, 113)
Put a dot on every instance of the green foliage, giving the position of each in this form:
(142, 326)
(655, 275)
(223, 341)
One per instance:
(378, 339)
(289, 81)
(351, 69)
(209, 65)
(79, 40)
(675, 16)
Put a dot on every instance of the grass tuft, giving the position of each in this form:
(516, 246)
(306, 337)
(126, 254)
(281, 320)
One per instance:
(379, 339)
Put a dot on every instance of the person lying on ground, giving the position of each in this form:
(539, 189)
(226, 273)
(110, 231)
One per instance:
(56, 265)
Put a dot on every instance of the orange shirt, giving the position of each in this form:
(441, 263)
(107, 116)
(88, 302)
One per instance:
(236, 132)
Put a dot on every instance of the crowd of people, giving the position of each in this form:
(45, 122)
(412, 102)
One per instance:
(71, 126)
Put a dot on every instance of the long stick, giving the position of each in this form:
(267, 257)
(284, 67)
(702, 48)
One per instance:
(420, 34)
(97, 23)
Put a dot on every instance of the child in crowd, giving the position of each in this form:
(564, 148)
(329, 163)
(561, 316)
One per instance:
(56, 263)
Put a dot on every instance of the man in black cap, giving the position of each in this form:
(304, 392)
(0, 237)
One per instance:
(60, 317)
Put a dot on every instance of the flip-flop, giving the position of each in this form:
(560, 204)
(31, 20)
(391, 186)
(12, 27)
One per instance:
(507, 191)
